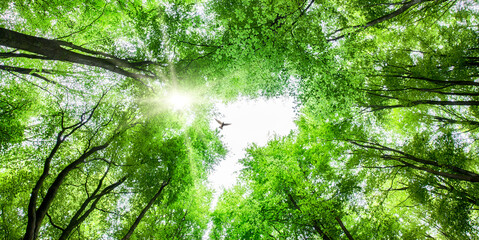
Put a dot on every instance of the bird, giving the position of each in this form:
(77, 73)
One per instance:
(222, 124)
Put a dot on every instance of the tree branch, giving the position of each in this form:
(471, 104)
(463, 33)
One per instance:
(52, 223)
(345, 230)
(145, 209)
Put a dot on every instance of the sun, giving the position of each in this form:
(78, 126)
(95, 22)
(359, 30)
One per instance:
(179, 101)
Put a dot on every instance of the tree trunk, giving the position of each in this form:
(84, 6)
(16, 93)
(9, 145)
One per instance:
(422, 102)
(453, 121)
(320, 231)
(314, 222)
(438, 82)
(35, 218)
(461, 177)
(78, 218)
(405, 6)
(431, 90)
(345, 230)
(55, 50)
(427, 165)
(402, 9)
(145, 209)
(32, 205)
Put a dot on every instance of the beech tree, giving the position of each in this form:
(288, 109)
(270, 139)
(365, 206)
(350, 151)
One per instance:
(385, 145)
(78, 139)
(47, 49)
(377, 12)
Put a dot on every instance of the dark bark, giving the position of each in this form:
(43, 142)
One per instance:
(472, 62)
(315, 223)
(345, 230)
(35, 216)
(22, 55)
(461, 177)
(430, 102)
(453, 121)
(437, 82)
(53, 189)
(57, 50)
(53, 224)
(445, 170)
(452, 93)
(431, 90)
(81, 214)
(28, 71)
(32, 207)
(145, 209)
(20, 70)
(405, 6)
(409, 103)
(320, 230)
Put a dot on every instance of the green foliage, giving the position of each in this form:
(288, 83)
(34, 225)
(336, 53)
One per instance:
(286, 188)
(14, 112)
(386, 145)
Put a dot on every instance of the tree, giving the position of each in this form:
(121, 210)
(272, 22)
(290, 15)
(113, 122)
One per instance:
(47, 49)
(89, 159)
(92, 146)
(82, 213)
(13, 114)
(245, 47)
(387, 119)
(378, 12)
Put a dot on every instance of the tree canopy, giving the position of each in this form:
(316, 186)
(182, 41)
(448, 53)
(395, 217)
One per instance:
(92, 146)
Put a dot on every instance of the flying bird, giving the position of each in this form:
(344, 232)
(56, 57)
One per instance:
(222, 124)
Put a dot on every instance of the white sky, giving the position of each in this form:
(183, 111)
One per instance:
(252, 121)
(257, 121)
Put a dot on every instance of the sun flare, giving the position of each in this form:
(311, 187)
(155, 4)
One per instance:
(179, 101)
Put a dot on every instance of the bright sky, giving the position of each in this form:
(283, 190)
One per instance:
(252, 121)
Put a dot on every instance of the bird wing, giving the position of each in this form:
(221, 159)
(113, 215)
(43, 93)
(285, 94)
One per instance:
(226, 124)
(220, 122)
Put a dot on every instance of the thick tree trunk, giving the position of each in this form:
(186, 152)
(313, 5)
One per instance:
(145, 209)
(55, 50)
(461, 177)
